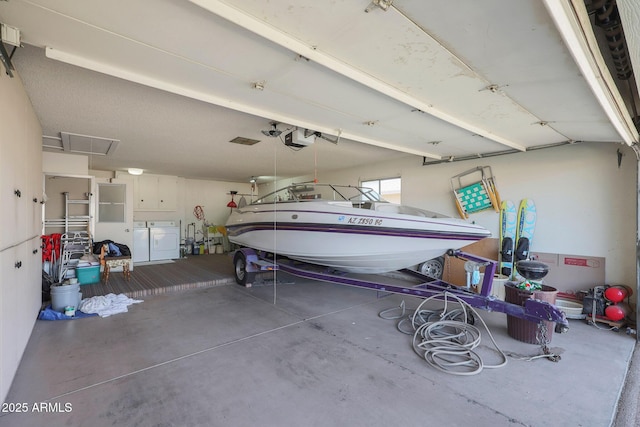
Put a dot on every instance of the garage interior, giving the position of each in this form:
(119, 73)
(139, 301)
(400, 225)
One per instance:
(200, 97)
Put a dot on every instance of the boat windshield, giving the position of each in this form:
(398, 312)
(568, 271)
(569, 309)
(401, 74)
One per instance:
(302, 192)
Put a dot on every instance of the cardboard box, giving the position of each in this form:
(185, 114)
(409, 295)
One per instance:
(571, 273)
(454, 272)
(567, 273)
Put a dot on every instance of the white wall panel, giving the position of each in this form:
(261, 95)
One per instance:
(586, 204)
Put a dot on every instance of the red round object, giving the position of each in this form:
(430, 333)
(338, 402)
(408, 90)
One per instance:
(615, 294)
(616, 312)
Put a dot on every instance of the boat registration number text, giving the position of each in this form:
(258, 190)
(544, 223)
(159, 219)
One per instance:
(364, 221)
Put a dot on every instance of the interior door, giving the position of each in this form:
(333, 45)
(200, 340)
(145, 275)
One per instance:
(114, 212)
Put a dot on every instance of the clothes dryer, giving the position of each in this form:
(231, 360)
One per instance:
(164, 240)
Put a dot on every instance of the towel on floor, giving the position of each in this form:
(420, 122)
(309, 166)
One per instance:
(107, 305)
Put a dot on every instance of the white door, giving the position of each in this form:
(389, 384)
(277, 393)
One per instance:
(114, 212)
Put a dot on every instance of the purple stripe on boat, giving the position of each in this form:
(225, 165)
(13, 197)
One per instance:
(353, 229)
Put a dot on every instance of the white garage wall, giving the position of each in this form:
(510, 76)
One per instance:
(213, 197)
(586, 204)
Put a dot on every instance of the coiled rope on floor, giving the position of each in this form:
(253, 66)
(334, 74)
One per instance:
(445, 338)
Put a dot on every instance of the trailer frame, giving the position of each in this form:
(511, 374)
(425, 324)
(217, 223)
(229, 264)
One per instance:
(249, 262)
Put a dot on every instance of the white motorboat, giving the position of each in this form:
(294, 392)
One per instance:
(348, 228)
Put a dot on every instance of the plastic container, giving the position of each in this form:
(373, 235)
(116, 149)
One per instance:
(63, 296)
(88, 275)
(497, 286)
(525, 330)
(572, 309)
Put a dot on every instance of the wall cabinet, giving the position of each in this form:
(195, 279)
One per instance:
(155, 193)
(20, 300)
(21, 188)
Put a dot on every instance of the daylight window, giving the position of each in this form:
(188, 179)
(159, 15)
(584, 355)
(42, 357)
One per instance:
(389, 188)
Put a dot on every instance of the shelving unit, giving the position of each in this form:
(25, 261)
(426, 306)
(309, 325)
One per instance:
(73, 222)
(215, 235)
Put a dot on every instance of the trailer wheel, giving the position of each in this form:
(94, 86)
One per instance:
(242, 275)
(433, 268)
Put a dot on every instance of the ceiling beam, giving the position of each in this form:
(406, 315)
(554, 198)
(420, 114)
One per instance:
(274, 35)
(121, 73)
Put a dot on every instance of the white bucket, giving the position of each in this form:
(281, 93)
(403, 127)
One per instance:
(219, 249)
(497, 287)
(63, 296)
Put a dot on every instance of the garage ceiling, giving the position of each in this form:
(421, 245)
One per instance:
(174, 81)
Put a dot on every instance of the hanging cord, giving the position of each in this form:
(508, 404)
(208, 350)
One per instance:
(315, 163)
(275, 224)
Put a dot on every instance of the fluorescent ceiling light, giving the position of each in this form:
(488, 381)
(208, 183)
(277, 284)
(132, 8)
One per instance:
(572, 21)
(135, 171)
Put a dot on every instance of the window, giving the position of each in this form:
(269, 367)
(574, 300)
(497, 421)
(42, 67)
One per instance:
(389, 189)
(111, 202)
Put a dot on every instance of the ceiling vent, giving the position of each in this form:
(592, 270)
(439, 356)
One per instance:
(81, 144)
(244, 141)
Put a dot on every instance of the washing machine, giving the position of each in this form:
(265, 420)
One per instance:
(140, 241)
(164, 240)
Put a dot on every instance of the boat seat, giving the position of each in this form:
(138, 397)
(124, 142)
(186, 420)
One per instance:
(386, 207)
(362, 205)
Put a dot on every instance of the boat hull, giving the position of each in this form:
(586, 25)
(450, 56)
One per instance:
(352, 240)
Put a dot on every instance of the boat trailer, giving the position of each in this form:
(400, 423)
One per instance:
(248, 262)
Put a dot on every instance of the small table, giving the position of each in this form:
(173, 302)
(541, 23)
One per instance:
(116, 261)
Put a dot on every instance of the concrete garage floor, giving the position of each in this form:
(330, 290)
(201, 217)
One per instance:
(321, 356)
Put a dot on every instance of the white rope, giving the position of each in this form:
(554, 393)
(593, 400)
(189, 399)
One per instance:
(447, 342)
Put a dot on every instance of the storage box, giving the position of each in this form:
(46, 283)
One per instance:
(87, 275)
(572, 273)
(454, 272)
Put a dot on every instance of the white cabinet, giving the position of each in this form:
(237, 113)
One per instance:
(20, 174)
(13, 180)
(20, 299)
(35, 186)
(20, 258)
(155, 193)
